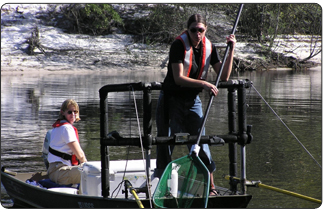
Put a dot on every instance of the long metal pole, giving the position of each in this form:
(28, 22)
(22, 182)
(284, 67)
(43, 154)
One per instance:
(147, 123)
(218, 76)
(261, 185)
(289, 193)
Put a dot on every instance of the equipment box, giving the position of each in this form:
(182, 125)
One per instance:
(132, 170)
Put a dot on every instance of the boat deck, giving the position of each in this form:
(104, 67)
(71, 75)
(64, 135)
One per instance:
(23, 193)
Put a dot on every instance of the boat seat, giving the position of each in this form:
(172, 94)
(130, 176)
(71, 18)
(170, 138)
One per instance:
(47, 183)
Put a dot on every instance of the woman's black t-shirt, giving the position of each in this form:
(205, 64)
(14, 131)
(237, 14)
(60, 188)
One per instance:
(176, 55)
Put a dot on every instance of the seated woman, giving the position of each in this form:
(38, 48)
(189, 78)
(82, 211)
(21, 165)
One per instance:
(65, 153)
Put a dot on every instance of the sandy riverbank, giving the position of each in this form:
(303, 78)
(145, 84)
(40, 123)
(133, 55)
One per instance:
(75, 53)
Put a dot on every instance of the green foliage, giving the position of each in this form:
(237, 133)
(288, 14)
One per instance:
(96, 19)
(268, 20)
(162, 25)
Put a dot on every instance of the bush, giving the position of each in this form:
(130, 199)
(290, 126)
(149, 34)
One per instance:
(162, 25)
(96, 19)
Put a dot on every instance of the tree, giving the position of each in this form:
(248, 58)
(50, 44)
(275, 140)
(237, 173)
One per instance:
(267, 21)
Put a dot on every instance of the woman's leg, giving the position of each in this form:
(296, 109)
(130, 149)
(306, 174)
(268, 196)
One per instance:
(163, 152)
(63, 174)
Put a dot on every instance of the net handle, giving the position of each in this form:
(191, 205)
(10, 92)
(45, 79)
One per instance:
(218, 76)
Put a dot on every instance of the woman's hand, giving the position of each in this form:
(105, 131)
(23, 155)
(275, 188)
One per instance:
(76, 149)
(229, 61)
(231, 39)
(210, 88)
(189, 82)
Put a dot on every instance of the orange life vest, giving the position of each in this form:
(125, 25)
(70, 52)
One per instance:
(205, 59)
(74, 160)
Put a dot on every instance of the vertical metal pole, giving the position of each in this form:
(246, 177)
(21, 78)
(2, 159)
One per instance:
(147, 125)
(147, 107)
(103, 148)
(242, 131)
(243, 169)
(232, 147)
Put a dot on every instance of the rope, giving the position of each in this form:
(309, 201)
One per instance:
(140, 136)
(286, 126)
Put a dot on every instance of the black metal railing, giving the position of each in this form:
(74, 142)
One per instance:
(242, 136)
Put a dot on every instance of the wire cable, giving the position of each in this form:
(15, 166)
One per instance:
(140, 136)
(286, 126)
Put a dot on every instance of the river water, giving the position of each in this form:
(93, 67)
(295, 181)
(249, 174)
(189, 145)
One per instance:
(30, 104)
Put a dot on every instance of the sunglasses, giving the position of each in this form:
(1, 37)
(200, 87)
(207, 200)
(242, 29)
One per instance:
(194, 30)
(70, 112)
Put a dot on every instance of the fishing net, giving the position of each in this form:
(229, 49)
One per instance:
(184, 181)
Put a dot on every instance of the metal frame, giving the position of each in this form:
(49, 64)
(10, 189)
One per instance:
(242, 136)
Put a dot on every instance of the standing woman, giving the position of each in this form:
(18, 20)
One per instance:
(65, 153)
(179, 108)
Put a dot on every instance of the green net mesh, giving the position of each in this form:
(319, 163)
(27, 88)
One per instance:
(184, 181)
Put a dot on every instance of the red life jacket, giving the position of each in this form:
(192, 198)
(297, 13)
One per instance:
(58, 123)
(205, 59)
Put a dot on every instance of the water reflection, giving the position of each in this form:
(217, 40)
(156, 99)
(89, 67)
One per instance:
(30, 104)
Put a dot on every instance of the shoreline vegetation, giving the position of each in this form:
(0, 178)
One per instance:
(44, 38)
